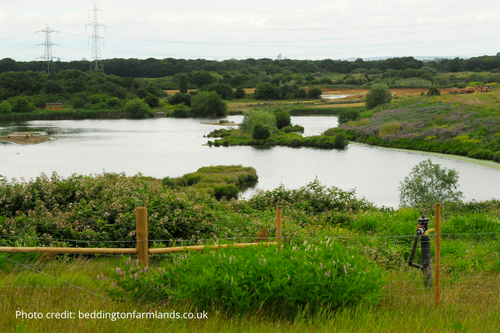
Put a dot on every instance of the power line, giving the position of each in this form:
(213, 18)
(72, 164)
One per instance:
(95, 60)
(48, 64)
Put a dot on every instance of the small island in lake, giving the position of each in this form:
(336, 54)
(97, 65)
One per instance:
(25, 138)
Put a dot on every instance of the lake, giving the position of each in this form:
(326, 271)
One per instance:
(172, 147)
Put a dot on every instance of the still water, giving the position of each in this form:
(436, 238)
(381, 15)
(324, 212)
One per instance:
(172, 147)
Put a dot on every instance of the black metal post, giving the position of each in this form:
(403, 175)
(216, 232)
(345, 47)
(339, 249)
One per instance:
(425, 244)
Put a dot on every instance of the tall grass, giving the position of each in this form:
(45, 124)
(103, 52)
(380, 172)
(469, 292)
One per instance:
(467, 306)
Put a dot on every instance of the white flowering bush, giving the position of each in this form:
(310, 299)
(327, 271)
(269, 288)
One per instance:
(94, 210)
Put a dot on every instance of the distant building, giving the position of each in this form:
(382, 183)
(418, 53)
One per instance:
(279, 56)
(84, 59)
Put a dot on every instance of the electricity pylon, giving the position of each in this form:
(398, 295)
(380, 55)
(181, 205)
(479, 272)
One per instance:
(95, 60)
(48, 64)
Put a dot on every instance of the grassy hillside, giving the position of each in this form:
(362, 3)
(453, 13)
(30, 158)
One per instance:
(467, 125)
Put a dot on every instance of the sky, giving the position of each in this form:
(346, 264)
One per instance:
(223, 29)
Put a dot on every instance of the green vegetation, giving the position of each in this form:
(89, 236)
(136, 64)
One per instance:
(259, 117)
(259, 128)
(466, 125)
(312, 275)
(428, 184)
(208, 104)
(378, 95)
(346, 251)
(283, 119)
(218, 181)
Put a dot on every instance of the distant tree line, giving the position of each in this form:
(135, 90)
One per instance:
(156, 68)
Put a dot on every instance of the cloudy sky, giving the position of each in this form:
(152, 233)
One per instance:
(223, 29)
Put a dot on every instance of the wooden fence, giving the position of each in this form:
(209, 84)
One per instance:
(142, 249)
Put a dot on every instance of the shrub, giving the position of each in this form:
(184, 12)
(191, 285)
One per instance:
(310, 276)
(179, 98)
(314, 93)
(261, 117)
(266, 91)
(346, 115)
(77, 103)
(433, 91)
(113, 102)
(239, 93)
(5, 107)
(152, 100)
(301, 93)
(40, 101)
(182, 111)
(378, 94)
(225, 91)
(341, 141)
(294, 128)
(229, 191)
(137, 108)
(261, 132)
(141, 93)
(22, 104)
(208, 104)
(98, 98)
(283, 119)
(53, 87)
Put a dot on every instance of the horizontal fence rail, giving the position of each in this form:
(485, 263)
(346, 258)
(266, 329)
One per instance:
(142, 249)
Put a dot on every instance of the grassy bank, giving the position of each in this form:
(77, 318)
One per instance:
(461, 125)
(65, 115)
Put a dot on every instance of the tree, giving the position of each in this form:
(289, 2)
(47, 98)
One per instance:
(183, 84)
(5, 107)
(179, 98)
(345, 115)
(202, 78)
(261, 117)
(433, 91)
(314, 93)
(261, 132)
(22, 104)
(152, 100)
(427, 184)
(208, 104)
(182, 111)
(53, 87)
(137, 108)
(340, 141)
(266, 91)
(378, 94)
(283, 119)
(224, 90)
(239, 93)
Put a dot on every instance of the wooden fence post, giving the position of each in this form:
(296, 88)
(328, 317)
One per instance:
(278, 226)
(141, 215)
(437, 269)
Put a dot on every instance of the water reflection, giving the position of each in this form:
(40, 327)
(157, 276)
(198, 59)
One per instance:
(172, 147)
